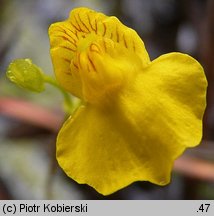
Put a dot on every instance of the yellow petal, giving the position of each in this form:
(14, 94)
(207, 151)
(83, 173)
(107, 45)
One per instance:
(104, 70)
(72, 36)
(63, 46)
(113, 29)
(99, 148)
(167, 102)
(137, 138)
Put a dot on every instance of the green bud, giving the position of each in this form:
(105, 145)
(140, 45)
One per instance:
(26, 75)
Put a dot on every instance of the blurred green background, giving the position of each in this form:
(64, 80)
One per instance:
(29, 121)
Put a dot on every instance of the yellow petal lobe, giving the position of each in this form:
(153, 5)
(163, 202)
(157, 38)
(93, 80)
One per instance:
(69, 38)
(169, 100)
(105, 70)
(155, 118)
(99, 148)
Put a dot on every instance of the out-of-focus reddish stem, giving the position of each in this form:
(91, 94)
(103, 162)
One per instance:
(195, 168)
(31, 113)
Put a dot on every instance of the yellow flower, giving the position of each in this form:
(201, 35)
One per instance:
(138, 115)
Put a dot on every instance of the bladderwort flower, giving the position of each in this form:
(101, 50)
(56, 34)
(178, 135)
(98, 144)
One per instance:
(137, 116)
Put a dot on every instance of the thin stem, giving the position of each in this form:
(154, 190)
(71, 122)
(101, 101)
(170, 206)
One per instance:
(67, 99)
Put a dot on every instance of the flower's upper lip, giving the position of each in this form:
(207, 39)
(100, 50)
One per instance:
(83, 22)
(74, 40)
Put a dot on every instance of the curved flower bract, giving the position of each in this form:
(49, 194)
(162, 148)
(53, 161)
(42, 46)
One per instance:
(138, 116)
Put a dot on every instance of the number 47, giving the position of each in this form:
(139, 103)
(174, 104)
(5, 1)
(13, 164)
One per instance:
(204, 207)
